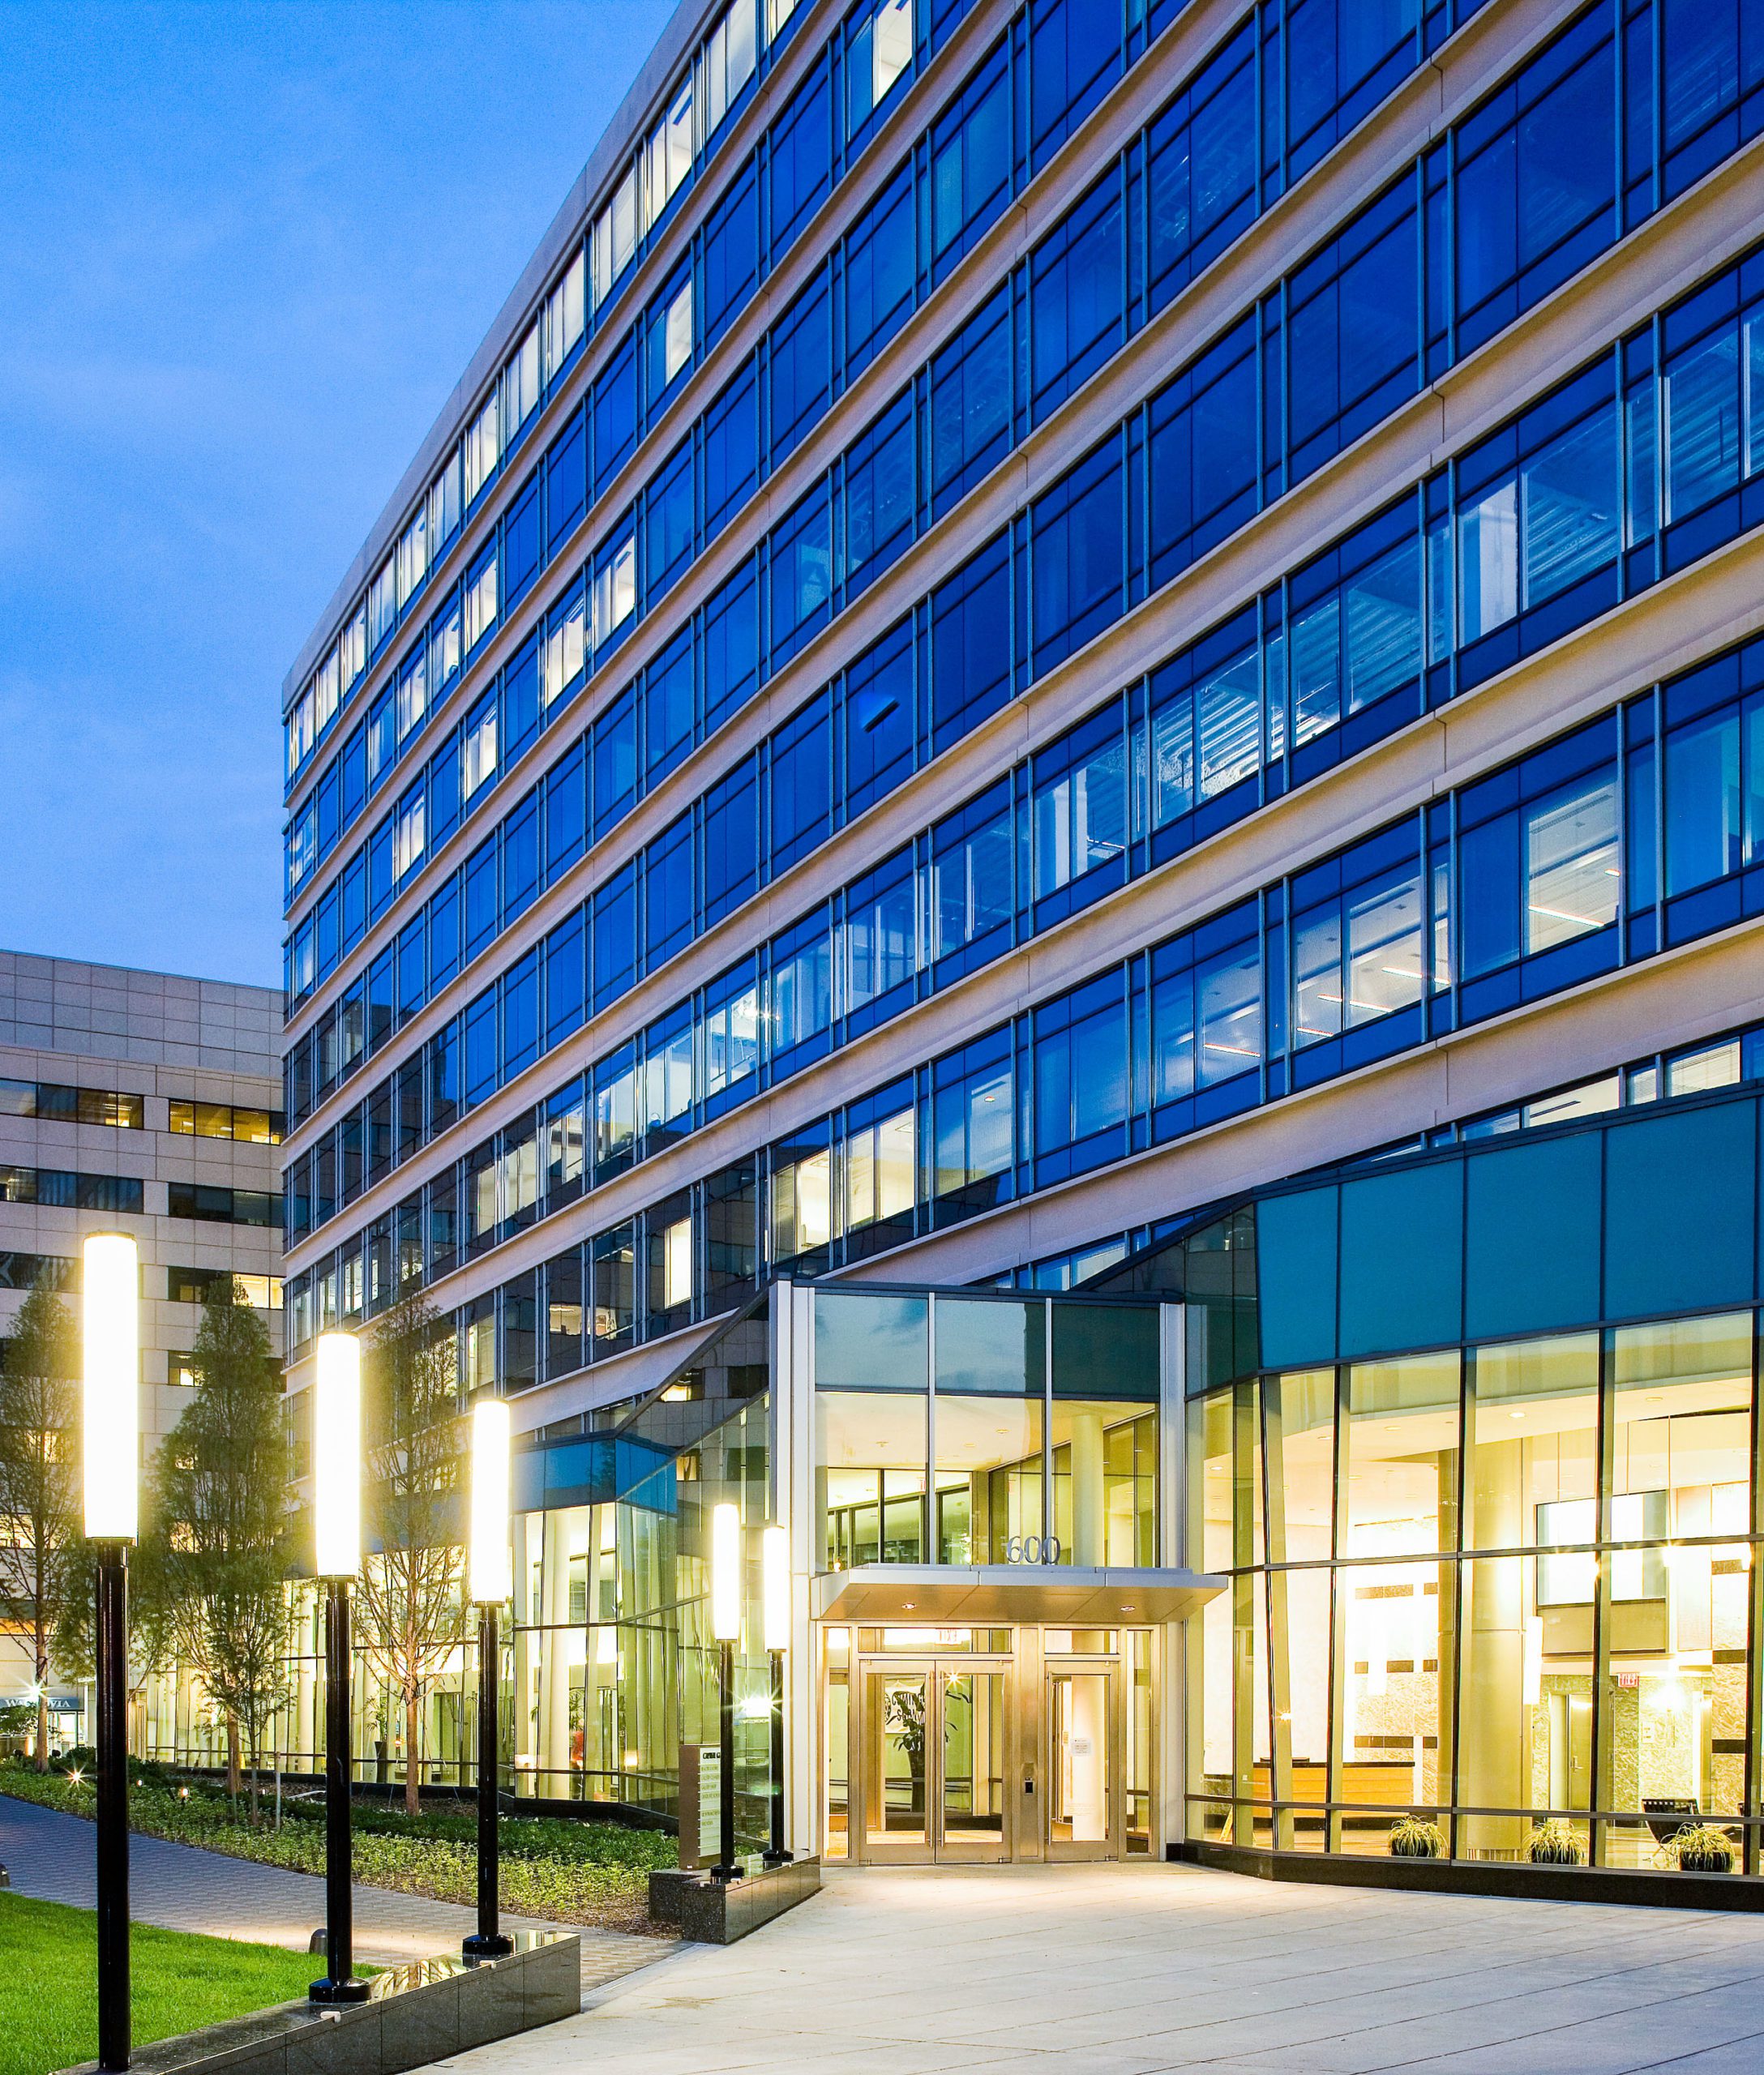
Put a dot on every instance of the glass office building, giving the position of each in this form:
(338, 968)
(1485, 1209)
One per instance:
(1036, 619)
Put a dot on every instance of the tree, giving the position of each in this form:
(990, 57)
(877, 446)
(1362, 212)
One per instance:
(212, 1571)
(408, 1598)
(41, 1570)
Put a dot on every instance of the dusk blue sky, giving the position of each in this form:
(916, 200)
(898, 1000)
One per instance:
(247, 251)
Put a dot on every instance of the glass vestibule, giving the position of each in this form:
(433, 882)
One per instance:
(970, 1745)
(1497, 1589)
(975, 1429)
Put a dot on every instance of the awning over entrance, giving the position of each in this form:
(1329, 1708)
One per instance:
(1055, 1595)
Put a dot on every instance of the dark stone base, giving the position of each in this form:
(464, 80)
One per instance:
(1476, 1877)
(413, 2015)
(718, 1912)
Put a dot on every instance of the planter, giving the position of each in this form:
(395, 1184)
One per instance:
(1554, 1844)
(719, 1912)
(1411, 1838)
(415, 2014)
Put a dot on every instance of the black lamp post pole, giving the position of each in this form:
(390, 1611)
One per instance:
(112, 1825)
(726, 1869)
(776, 1854)
(489, 1942)
(340, 1984)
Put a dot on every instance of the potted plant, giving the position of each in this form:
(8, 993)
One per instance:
(1700, 1848)
(1410, 1838)
(1554, 1844)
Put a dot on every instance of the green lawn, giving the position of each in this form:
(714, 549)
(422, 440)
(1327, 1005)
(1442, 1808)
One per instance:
(48, 2002)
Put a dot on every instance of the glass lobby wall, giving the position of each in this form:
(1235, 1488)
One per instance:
(1496, 1588)
(968, 1429)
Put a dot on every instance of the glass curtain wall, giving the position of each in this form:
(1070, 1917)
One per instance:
(1500, 1587)
(977, 1429)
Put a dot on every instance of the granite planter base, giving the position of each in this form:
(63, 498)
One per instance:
(719, 1912)
(413, 2015)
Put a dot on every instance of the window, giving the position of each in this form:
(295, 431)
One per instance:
(480, 598)
(878, 940)
(74, 1105)
(879, 730)
(225, 1120)
(800, 161)
(1201, 168)
(801, 785)
(970, 171)
(1077, 283)
(728, 63)
(1535, 193)
(1079, 549)
(614, 242)
(1359, 937)
(669, 155)
(408, 831)
(1074, 55)
(970, 645)
(520, 387)
(1081, 1070)
(670, 340)
(209, 1204)
(615, 587)
(668, 521)
(972, 1109)
(878, 272)
(970, 404)
(802, 575)
(972, 902)
(564, 655)
(482, 447)
(731, 1040)
(1353, 345)
(879, 52)
(478, 744)
(1204, 453)
(565, 318)
(731, 247)
(1079, 810)
(801, 371)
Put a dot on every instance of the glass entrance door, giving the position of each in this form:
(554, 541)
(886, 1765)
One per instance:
(935, 1738)
(1083, 1774)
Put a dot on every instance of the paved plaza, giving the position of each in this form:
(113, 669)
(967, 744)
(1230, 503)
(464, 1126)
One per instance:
(1119, 1971)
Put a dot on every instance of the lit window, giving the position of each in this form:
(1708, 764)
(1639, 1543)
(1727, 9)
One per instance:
(413, 555)
(408, 831)
(615, 589)
(669, 153)
(480, 604)
(520, 387)
(563, 651)
(615, 236)
(413, 691)
(382, 604)
(480, 747)
(729, 61)
(677, 1263)
(677, 345)
(564, 318)
(483, 450)
(444, 504)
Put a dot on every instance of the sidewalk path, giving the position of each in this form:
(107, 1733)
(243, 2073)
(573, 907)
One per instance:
(50, 1856)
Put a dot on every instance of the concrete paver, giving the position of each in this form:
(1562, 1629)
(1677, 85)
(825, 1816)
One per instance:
(1132, 1970)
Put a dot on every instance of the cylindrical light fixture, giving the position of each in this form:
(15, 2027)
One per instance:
(490, 1568)
(110, 1305)
(775, 1563)
(336, 1456)
(110, 1285)
(775, 1567)
(726, 1573)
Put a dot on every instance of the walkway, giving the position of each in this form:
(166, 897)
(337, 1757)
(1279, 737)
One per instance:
(1118, 1970)
(50, 1856)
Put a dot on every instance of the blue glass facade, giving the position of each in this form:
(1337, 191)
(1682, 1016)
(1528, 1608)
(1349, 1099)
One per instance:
(1051, 614)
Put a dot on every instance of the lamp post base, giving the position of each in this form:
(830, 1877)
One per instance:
(779, 1857)
(354, 1990)
(498, 1945)
(725, 1873)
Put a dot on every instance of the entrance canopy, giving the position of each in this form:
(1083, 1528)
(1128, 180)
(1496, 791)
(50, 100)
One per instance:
(1055, 1596)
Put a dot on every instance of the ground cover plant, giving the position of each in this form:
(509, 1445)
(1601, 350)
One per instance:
(554, 1867)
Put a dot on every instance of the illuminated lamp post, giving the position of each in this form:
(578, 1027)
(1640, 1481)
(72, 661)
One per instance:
(490, 1580)
(337, 1525)
(775, 1553)
(725, 1583)
(110, 1322)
